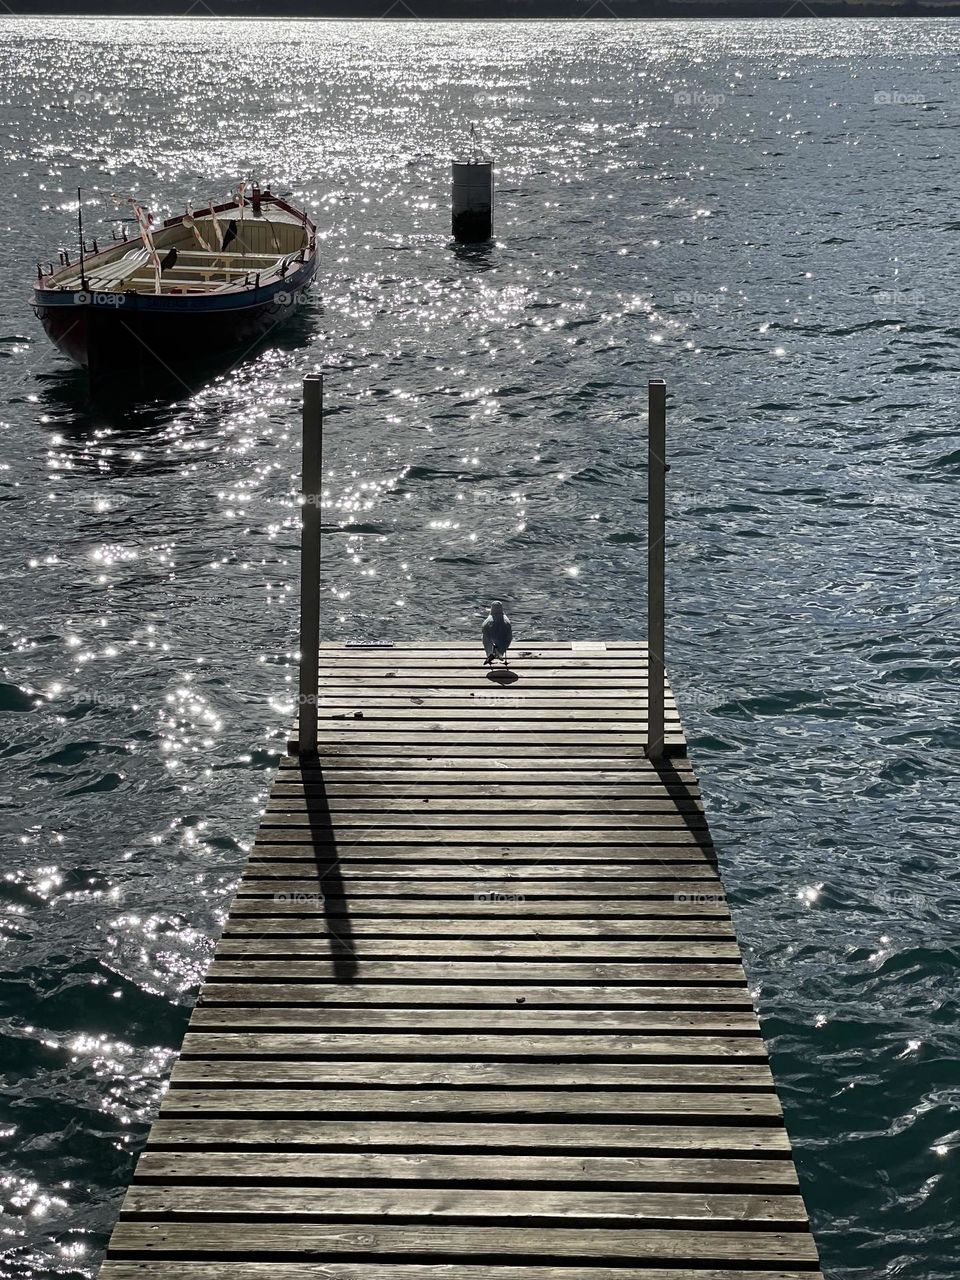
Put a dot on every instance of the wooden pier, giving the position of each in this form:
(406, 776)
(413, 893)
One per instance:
(478, 1011)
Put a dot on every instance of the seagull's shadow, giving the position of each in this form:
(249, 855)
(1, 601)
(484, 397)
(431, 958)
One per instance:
(503, 675)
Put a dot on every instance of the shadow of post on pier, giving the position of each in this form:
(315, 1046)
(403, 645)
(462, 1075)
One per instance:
(336, 910)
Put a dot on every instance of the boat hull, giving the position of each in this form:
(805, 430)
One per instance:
(133, 332)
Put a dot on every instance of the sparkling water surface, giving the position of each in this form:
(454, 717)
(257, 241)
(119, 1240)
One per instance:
(763, 213)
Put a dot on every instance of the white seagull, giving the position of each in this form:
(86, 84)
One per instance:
(497, 634)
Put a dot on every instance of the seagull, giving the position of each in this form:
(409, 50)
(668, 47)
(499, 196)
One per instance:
(497, 634)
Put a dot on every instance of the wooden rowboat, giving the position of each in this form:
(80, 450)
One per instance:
(196, 286)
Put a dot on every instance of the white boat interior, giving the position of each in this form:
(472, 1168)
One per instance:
(264, 249)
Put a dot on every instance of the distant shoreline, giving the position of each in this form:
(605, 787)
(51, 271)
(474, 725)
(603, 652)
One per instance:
(597, 11)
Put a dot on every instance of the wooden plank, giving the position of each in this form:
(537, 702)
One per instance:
(679, 845)
(486, 1103)
(406, 1270)
(480, 837)
(496, 821)
(698, 881)
(354, 1044)
(619, 1209)
(293, 801)
(310, 1168)
(635, 767)
(453, 786)
(479, 739)
(459, 749)
(534, 662)
(589, 768)
(473, 971)
(490, 949)
(287, 1240)
(489, 996)
(525, 930)
(433, 1135)
(511, 716)
(692, 906)
(337, 696)
(537, 651)
(374, 851)
(737, 1075)
(519, 1020)
(408, 876)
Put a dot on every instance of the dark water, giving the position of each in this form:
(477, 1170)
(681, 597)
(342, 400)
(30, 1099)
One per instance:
(763, 213)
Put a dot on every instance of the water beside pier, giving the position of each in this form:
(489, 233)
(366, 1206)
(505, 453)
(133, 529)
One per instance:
(761, 213)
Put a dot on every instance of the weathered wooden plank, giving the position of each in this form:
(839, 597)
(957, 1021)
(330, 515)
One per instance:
(678, 847)
(430, 1135)
(698, 882)
(489, 1103)
(417, 647)
(405, 1270)
(406, 876)
(390, 855)
(312, 1044)
(373, 799)
(692, 906)
(482, 949)
(623, 835)
(474, 971)
(337, 696)
(287, 1240)
(620, 1209)
(487, 997)
(453, 662)
(521, 930)
(506, 738)
(311, 1168)
(519, 1020)
(499, 819)
(546, 649)
(649, 796)
(733, 1074)
(634, 767)
(508, 716)
(436, 749)
(483, 776)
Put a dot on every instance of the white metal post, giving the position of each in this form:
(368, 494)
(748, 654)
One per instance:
(310, 513)
(656, 531)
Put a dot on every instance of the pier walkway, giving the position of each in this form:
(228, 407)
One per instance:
(478, 1011)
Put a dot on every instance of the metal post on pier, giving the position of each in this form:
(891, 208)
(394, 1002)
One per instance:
(311, 487)
(656, 532)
